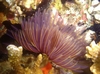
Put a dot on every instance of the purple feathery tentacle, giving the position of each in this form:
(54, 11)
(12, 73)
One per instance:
(43, 33)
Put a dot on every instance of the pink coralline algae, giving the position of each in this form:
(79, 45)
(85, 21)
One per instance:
(47, 33)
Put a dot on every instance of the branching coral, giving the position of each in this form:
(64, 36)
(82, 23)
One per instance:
(15, 55)
(93, 52)
(36, 68)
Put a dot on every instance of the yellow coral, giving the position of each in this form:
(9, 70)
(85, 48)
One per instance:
(15, 55)
(58, 4)
(14, 58)
(93, 52)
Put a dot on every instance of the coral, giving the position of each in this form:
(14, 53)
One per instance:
(5, 67)
(37, 63)
(94, 10)
(15, 58)
(57, 4)
(15, 55)
(93, 52)
(26, 3)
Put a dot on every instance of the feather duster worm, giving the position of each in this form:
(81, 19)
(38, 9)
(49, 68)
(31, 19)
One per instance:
(46, 33)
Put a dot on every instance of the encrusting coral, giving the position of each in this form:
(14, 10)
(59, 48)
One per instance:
(93, 52)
